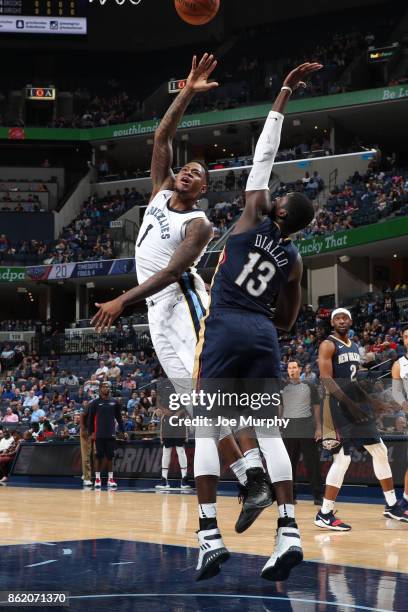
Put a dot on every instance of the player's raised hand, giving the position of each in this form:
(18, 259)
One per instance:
(106, 315)
(298, 76)
(200, 73)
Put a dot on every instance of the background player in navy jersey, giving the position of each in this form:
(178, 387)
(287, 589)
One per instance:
(352, 414)
(259, 269)
(102, 414)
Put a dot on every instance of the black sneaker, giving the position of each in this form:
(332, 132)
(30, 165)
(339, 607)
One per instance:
(184, 484)
(255, 496)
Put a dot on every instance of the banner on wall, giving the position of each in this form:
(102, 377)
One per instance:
(142, 459)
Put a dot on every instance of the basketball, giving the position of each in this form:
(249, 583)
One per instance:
(197, 12)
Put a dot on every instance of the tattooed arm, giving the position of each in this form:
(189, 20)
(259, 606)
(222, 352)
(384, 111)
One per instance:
(198, 235)
(161, 172)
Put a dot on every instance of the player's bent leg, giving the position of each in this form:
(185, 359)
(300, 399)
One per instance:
(326, 518)
(288, 546)
(255, 492)
(212, 551)
(382, 471)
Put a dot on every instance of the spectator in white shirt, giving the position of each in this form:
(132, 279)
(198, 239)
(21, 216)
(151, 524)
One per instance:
(5, 440)
(101, 371)
(31, 401)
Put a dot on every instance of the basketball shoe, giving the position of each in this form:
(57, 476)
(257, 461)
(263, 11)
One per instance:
(112, 484)
(212, 553)
(398, 511)
(184, 484)
(329, 521)
(288, 551)
(98, 483)
(255, 496)
(163, 484)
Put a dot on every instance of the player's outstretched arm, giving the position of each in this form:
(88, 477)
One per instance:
(197, 81)
(258, 201)
(198, 235)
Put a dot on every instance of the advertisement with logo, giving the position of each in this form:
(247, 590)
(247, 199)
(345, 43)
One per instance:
(12, 275)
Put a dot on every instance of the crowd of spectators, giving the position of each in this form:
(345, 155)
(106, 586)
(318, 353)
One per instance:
(45, 396)
(45, 400)
(361, 200)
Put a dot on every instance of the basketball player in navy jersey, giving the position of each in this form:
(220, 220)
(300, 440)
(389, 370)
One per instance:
(173, 235)
(353, 421)
(259, 268)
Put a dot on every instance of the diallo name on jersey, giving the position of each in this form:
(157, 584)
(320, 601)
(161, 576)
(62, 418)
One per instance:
(274, 250)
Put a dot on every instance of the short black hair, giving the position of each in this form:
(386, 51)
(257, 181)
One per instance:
(404, 329)
(204, 167)
(300, 212)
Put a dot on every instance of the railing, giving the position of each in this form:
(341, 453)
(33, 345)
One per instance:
(81, 344)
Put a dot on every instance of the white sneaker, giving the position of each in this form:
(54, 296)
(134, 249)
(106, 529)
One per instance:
(87, 483)
(163, 484)
(212, 553)
(112, 484)
(288, 553)
(98, 483)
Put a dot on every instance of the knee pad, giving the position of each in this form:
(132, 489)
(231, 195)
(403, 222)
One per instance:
(276, 457)
(335, 475)
(206, 459)
(381, 465)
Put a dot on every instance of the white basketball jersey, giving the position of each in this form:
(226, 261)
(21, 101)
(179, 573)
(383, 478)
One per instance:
(162, 231)
(403, 364)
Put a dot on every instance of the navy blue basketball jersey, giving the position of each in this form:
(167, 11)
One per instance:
(253, 268)
(346, 362)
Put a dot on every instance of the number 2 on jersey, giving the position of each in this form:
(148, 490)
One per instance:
(266, 271)
(353, 372)
(148, 228)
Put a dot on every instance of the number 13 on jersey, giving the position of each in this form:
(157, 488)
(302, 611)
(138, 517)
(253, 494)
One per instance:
(262, 273)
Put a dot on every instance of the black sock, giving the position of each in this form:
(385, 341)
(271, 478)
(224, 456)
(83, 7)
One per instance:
(208, 523)
(287, 521)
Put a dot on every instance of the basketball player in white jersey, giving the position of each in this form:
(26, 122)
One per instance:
(399, 375)
(171, 239)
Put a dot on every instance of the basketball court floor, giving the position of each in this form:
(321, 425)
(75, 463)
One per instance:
(127, 550)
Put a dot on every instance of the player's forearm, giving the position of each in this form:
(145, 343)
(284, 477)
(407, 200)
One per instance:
(398, 391)
(281, 100)
(168, 125)
(153, 285)
(333, 388)
(317, 416)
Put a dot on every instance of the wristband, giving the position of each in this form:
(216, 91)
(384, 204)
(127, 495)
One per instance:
(289, 89)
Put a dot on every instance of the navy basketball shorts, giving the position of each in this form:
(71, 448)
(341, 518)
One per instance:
(238, 352)
(352, 434)
(105, 447)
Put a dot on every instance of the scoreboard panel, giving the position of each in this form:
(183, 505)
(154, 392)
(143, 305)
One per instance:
(43, 16)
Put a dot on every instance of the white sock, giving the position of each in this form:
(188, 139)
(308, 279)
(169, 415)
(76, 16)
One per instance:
(405, 496)
(110, 475)
(253, 458)
(239, 468)
(327, 506)
(183, 472)
(97, 475)
(286, 511)
(165, 472)
(207, 510)
(390, 497)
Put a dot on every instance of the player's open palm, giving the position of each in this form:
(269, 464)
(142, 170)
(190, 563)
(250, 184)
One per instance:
(200, 73)
(298, 76)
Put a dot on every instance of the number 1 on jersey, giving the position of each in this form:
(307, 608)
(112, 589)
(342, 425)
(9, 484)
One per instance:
(148, 228)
